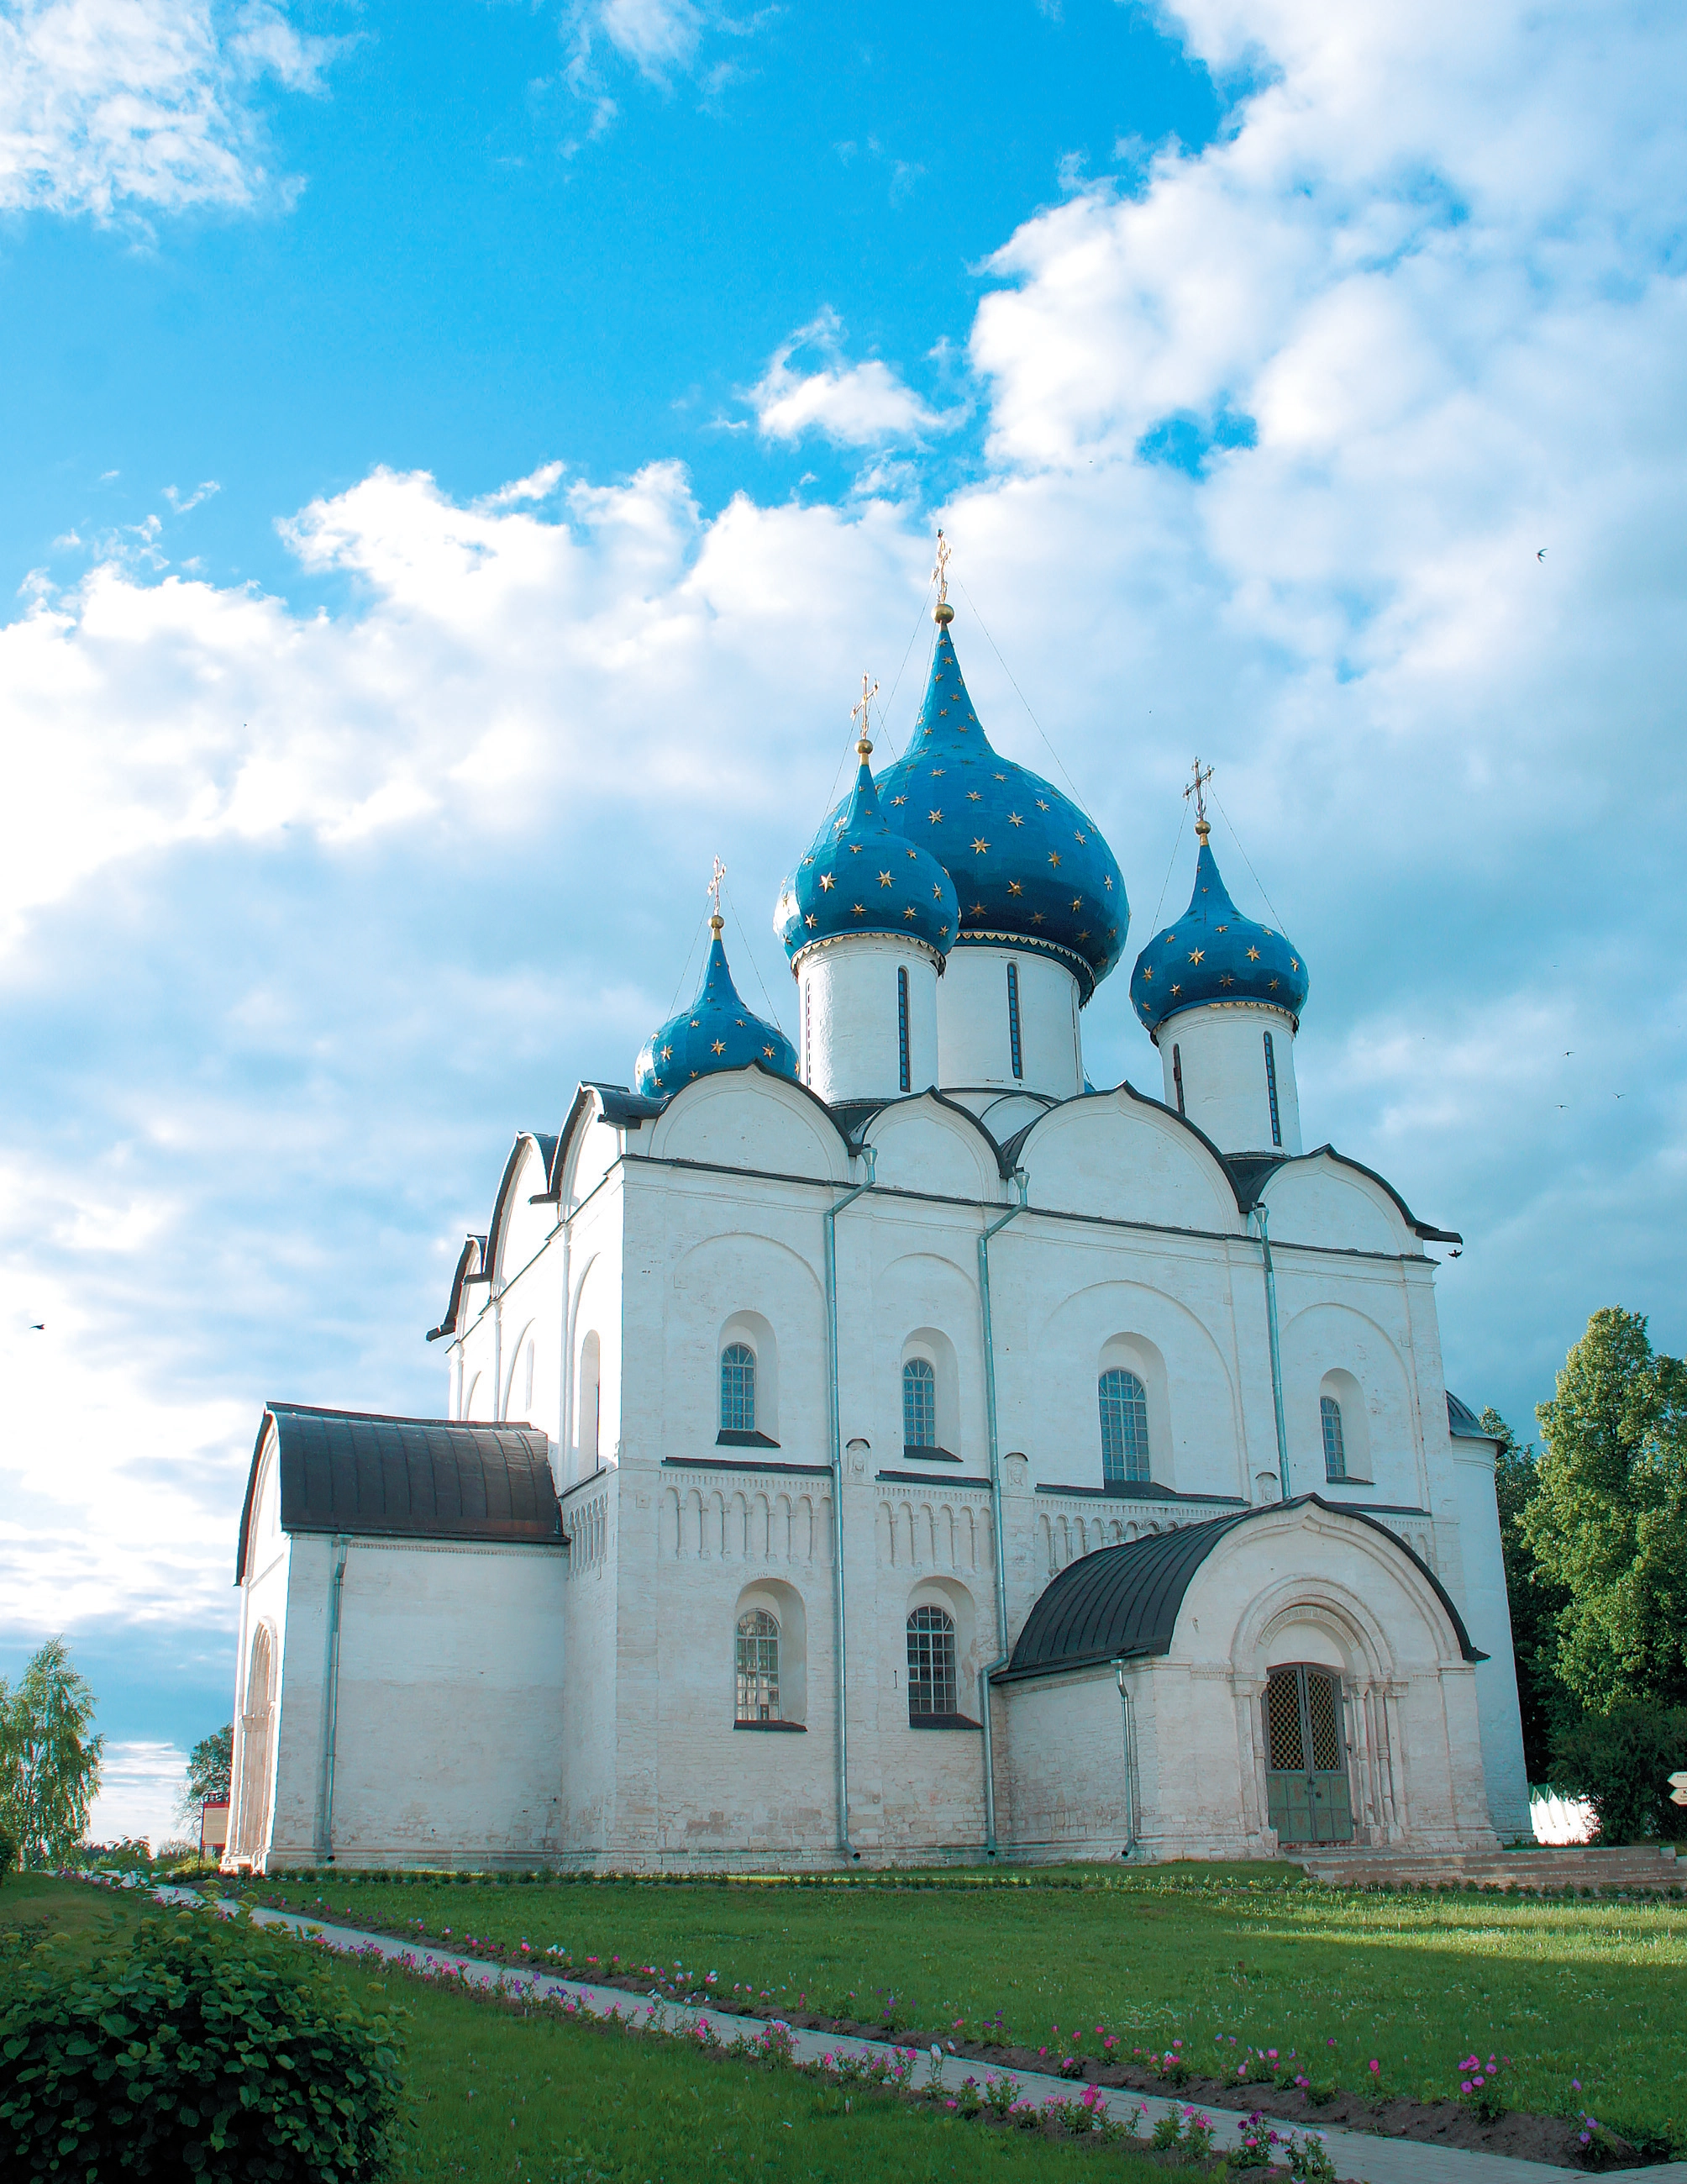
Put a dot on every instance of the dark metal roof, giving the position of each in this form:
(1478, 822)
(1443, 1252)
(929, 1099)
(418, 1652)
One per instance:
(1463, 1424)
(423, 1478)
(1123, 1602)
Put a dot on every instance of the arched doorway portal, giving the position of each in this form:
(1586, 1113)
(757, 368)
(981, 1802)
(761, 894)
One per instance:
(257, 1751)
(1308, 1794)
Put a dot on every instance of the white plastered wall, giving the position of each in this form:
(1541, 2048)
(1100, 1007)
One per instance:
(1220, 1052)
(848, 1010)
(974, 1038)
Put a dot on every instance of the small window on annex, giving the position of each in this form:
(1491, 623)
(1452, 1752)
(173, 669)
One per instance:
(738, 1388)
(758, 1667)
(919, 1404)
(931, 1664)
(1335, 1445)
(1124, 1426)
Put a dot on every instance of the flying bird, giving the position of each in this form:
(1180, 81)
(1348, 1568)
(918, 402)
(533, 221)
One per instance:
(1540, 555)
(38, 1327)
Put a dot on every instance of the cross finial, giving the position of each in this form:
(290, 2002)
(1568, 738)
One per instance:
(942, 612)
(861, 715)
(1197, 789)
(715, 920)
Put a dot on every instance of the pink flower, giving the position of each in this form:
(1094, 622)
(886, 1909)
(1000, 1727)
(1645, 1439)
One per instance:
(1375, 2065)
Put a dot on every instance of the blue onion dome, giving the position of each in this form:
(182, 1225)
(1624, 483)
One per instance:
(1215, 954)
(718, 1031)
(860, 877)
(1030, 869)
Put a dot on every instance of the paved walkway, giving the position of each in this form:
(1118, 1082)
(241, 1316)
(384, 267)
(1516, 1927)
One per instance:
(1355, 2154)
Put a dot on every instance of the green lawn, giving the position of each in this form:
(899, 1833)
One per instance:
(534, 2099)
(1587, 1990)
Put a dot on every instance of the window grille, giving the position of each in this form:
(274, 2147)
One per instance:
(919, 1404)
(758, 1667)
(931, 1664)
(1271, 1089)
(902, 1023)
(1124, 1426)
(1177, 1077)
(1335, 1446)
(738, 1388)
(1013, 1019)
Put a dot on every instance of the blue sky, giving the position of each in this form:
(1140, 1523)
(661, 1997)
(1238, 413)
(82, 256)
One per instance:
(459, 460)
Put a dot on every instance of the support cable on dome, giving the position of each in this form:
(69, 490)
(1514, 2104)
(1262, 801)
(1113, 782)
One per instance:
(749, 952)
(1177, 844)
(1078, 798)
(685, 968)
(1247, 860)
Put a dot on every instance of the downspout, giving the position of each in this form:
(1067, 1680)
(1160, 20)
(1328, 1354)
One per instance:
(332, 1706)
(1001, 1659)
(870, 1155)
(1258, 1216)
(1127, 1726)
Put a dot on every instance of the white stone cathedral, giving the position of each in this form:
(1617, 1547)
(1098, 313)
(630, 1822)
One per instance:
(895, 1449)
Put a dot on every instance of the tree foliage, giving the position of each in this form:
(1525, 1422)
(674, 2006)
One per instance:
(210, 1767)
(209, 2049)
(1536, 1601)
(1608, 1521)
(49, 1759)
(1621, 1763)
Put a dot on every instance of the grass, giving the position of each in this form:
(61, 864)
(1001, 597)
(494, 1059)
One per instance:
(534, 2099)
(1587, 1991)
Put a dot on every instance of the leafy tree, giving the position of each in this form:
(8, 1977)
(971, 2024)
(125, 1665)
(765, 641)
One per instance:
(210, 1765)
(49, 1762)
(1621, 1763)
(1536, 1602)
(1608, 1520)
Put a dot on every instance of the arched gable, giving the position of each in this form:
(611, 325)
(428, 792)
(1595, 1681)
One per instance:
(1127, 1158)
(933, 1145)
(1321, 1199)
(471, 1261)
(751, 1119)
(1328, 1340)
(519, 1227)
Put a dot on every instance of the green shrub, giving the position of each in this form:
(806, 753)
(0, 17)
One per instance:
(8, 1847)
(209, 2049)
(1621, 1763)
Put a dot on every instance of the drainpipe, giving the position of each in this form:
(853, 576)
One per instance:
(1129, 1728)
(331, 1705)
(870, 1155)
(1262, 1230)
(1001, 1659)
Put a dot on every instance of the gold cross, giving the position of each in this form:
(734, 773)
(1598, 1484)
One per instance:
(1197, 789)
(940, 573)
(715, 880)
(858, 715)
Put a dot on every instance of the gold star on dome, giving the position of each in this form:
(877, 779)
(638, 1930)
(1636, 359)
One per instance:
(720, 1046)
(657, 1081)
(943, 933)
(977, 911)
(1014, 888)
(1041, 805)
(884, 879)
(1227, 980)
(1271, 985)
(693, 1077)
(1001, 777)
(854, 849)
(979, 845)
(1293, 964)
(1176, 990)
(1224, 929)
(1148, 978)
(860, 909)
(695, 1023)
(1197, 954)
(1014, 819)
(913, 854)
(828, 879)
(1253, 955)
(899, 799)
(1108, 883)
(938, 771)
(808, 860)
(911, 913)
(810, 920)
(1037, 918)
(1054, 857)
(1085, 934)
(1078, 902)
(667, 1054)
(936, 815)
(1079, 839)
(937, 891)
(975, 796)
(838, 825)
(768, 1051)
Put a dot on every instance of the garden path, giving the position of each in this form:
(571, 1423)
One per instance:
(1355, 2154)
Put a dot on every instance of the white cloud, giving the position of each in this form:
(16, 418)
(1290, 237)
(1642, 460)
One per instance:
(141, 1787)
(143, 106)
(854, 406)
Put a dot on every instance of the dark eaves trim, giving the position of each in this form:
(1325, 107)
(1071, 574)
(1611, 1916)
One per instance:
(749, 1464)
(1135, 1490)
(940, 1480)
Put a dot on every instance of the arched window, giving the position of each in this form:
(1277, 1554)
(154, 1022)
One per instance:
(1015, 1049)
(902, 1024)
(931, 1664)
(919, 1404)
(738, 1388)
(1124, 1426)
(758, 1667)
(1271, 1093)
(1335, 1447)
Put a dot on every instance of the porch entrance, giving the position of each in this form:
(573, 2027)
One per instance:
(1307, 1797)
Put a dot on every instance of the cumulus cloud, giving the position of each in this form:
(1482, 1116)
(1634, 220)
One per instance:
(143, 106)
(664, 41)
(305, 911)
(853, 406)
